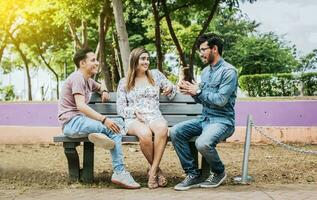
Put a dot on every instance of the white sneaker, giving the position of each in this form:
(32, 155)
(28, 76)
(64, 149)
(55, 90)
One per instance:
(125, 180)
(101, 140)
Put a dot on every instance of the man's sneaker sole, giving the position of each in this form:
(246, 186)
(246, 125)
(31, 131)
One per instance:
(101, 140)
(213, 186)
(124, 185)
(186, 188)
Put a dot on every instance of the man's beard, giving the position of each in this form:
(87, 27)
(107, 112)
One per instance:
(211, 58)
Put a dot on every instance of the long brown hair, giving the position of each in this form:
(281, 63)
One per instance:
(133, 64)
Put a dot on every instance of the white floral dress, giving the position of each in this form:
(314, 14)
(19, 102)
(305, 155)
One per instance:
(144, 99)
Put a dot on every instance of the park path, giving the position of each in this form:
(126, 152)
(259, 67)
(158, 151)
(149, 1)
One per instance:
(298, 192)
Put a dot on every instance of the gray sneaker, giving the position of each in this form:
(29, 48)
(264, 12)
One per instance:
(188, 183)
(101, 140)
(125, 180)
(214, 180)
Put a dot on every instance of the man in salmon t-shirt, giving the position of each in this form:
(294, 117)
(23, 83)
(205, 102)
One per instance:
(79, 120)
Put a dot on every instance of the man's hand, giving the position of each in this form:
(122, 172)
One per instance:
(112, 125)
(105, 96)
(167, 90)
(180, 88)
(188, 88)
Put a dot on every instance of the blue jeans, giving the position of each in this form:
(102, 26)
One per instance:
(209, 135)
(80, 126)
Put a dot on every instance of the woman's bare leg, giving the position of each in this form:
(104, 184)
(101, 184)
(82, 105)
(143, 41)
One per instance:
(159, 128)
(144, 133)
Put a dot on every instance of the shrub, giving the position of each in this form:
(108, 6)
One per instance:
(285, 84)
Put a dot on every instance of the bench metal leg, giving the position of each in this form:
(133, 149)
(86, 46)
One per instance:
(88, 163)
(73, 160)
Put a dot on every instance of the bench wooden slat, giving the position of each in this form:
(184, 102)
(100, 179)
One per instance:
(125, 138)
(179, 98)
(62, 138)
(166, 108)
(171, 119)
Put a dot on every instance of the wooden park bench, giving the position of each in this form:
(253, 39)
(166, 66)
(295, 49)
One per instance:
(181, 108)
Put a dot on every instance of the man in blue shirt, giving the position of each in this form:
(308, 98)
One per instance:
(217, 94)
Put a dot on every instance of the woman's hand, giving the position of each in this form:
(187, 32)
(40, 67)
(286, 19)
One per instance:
(167, 90)
(139, 116)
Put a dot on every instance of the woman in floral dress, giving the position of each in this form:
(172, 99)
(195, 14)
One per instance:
(138, 103)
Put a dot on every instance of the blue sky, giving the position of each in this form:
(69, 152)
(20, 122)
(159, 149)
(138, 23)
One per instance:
(295, 19)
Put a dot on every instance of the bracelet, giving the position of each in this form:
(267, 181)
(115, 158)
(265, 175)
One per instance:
(104, 120)
(104, 91)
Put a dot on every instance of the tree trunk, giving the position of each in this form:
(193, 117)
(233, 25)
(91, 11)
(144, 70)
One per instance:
(114, 69)
(77, 43)
(122, 33)
(159, 55)
(26, 64)
(27, 70)
(1, 51)
(103, 28)
(84, 34)
(117, 54)
(55, 74)
(28, 78)
(205, 26)
(3, 46)
(4, 39)
(97, 50)
(184, 73)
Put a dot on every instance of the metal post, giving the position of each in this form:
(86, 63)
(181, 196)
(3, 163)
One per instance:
(245, 178)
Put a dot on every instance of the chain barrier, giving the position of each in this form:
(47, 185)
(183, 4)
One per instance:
(289, 147)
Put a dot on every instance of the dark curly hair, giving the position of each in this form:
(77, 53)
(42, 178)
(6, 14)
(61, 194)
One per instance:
(80, 55)
(212, 39)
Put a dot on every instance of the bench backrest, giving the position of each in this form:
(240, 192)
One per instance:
(181, 108)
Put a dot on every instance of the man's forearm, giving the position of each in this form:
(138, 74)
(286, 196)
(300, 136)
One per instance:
(211, 98)
(91, 113)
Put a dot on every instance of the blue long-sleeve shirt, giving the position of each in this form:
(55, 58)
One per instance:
(218, 92)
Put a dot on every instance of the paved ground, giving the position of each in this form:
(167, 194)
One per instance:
(308, 191)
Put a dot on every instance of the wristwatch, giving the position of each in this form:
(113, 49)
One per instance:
(198, 91)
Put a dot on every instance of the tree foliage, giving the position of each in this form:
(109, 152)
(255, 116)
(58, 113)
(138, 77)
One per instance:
(308, 62)
(46, 34)
(265, 53)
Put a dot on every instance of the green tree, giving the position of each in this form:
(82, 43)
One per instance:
(44, 42)
(308, 62)
(264, 53)
(184, 21)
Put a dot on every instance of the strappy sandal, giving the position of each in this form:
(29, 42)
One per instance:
(161, 179)
(152, 182)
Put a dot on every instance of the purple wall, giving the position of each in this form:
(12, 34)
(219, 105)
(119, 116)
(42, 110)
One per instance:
(28, 114)
(277, 113)
(265, 113)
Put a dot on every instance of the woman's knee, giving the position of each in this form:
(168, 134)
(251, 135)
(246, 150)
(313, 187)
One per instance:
(161, 131)
(159, 126)
(145, 136)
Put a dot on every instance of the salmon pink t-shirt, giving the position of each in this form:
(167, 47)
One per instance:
(74, 84)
